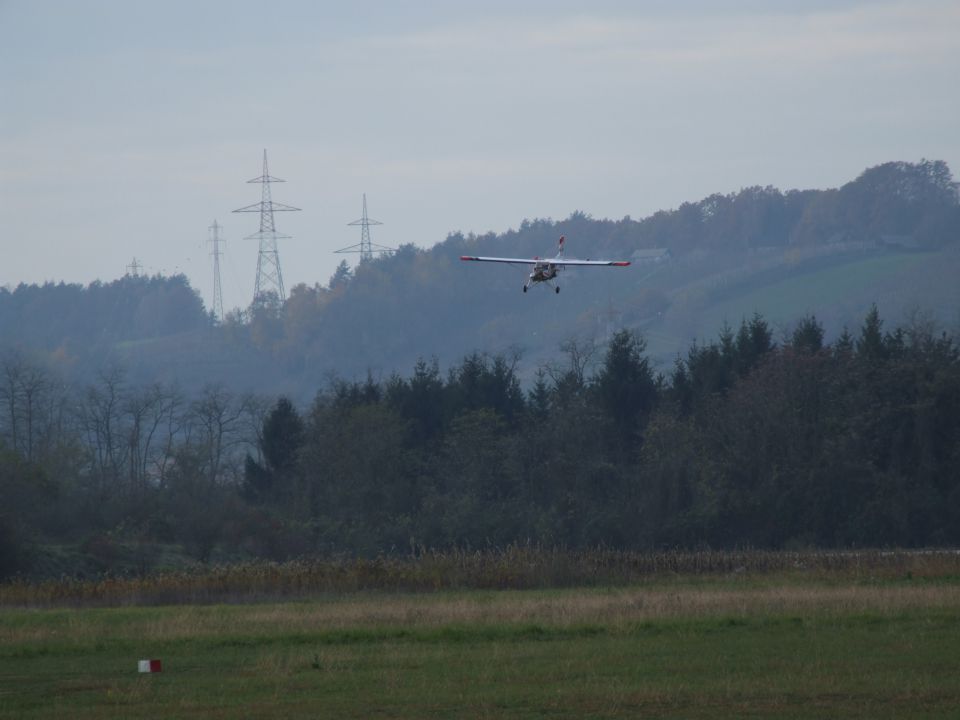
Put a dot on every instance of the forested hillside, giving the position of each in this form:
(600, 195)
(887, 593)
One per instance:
(894, 224)
(58, 315)
(745, 442)
(891, 237)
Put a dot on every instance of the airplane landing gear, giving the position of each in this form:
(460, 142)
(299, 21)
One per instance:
(557, 289)
(524, 288)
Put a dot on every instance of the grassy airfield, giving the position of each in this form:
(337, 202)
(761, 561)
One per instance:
(748, 644)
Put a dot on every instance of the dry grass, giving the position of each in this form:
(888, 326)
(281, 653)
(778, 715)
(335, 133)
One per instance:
(613, 609)
(514, 568)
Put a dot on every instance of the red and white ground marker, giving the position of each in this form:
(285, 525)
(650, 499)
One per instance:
(149, 666)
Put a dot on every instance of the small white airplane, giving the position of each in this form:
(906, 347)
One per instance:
(545, 270)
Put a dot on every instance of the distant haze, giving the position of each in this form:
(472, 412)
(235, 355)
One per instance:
(127, 128)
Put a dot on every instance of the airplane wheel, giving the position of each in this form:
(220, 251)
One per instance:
(524, 288)
(557, 289)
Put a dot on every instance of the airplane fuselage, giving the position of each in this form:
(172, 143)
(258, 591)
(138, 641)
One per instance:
(544, 271)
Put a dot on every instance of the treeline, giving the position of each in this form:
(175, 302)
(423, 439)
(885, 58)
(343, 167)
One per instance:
(746, 442)
(73, 317)
(915, 202)
(74, 330)
(385, 313)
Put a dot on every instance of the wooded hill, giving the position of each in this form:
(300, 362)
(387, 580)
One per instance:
(891, 237)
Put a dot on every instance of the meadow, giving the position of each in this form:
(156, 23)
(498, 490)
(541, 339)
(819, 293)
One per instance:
(833, 288)
(863, 635)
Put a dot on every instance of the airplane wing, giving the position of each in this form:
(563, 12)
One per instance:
(611, 263)
(521, 261)
(551, 261)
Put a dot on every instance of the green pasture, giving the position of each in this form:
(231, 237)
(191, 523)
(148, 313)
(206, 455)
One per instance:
(684, 650)
(839, 290)
(788, 299)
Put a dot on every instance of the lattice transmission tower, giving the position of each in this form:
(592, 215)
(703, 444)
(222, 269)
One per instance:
(269, 277)
(217, 290)
(365, 248)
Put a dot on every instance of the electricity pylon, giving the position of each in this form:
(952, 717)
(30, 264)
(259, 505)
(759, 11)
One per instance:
(365, 248)
(269, 277)
(217, 291)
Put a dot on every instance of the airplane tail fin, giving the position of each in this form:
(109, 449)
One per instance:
(560, 246)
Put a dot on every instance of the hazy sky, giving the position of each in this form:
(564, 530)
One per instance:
(127, 127)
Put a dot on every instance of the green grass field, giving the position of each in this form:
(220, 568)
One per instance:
(768, 646)
(788, 299)
(837, 290)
